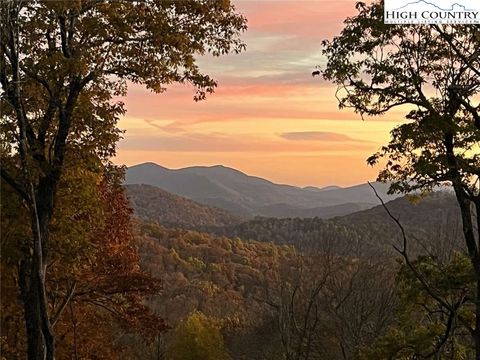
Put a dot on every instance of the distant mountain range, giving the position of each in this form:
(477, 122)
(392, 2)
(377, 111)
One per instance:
(433, 223)
(249, 196)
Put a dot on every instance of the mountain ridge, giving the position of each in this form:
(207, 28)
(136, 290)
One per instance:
(245, 195)
(431, 224)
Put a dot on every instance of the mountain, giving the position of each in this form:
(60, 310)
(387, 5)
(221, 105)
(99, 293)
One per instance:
(432, 224)
(152, 203)
(325, 212)
(246, 195)
(314, 188)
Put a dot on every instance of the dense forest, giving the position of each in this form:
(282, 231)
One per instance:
(93, 269)
(153, 203)
(339, 278)
(363, 233)
(265, 300)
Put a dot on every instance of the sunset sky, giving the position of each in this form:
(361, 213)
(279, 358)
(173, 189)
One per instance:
(268, 117)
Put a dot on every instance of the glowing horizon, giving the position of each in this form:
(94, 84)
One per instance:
(268, 117)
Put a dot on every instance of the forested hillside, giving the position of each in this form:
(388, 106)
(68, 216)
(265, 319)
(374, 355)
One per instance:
(343, 267)
(244, 290)
(429, 223)
(152, 203)
(332, 291)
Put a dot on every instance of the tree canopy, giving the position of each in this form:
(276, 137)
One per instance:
(198, 337)
(61, 65)
(432, 73)
(429, 70)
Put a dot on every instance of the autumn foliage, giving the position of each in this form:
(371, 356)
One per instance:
(104, 285)
(62, 63)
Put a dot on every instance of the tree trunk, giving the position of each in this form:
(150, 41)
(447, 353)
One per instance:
(35, 340)
(40, 339)
(477, 298)
(476, 335)
(32, 275)
(41, 344)
(472, 237)
(473, 249)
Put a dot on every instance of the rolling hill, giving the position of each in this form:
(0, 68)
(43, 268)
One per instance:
(430, 222)
(154, 204)
(433, 224)
(246, 195)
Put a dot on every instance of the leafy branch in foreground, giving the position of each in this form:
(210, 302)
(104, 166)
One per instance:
(61, 64)
(430, 71)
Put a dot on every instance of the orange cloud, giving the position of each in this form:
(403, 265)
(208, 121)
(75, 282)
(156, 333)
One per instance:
(319, 136)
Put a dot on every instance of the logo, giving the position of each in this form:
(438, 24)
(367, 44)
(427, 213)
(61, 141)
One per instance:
(432, 12)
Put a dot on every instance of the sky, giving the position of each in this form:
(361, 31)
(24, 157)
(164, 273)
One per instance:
(268, 117)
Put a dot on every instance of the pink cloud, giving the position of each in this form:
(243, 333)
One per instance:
(226, 143)
(305, 19)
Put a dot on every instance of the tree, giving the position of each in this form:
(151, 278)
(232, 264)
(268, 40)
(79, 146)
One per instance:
(60, 65)
(197, 337)
(295, 298)
(94, 270)
(432, 70)
(424, 328)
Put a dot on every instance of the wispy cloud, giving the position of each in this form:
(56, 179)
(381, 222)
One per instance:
(320, 136)
(219, 142)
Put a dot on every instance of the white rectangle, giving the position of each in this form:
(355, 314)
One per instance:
(432, 12)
